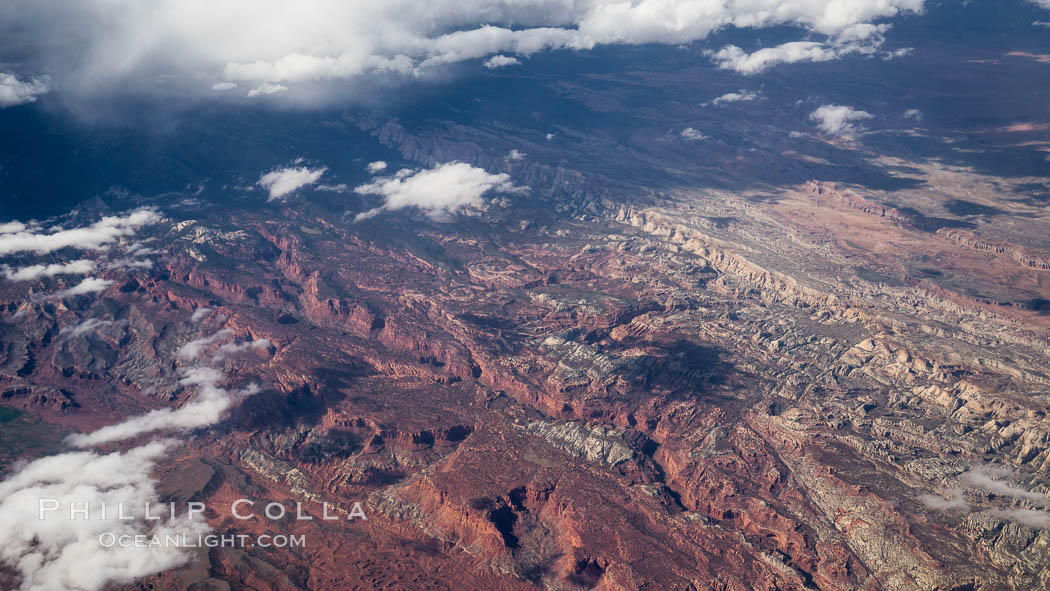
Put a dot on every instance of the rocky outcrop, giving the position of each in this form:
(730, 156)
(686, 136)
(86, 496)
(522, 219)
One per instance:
(712, 393)
(1021, 255)
(594, 445)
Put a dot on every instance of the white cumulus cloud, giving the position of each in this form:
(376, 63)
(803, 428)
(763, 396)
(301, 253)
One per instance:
(265, 89)
(1027, 517)
(19, 92)
(9, 227)
(90, 325)
(438, 192)
(838, 119)
(692, 135)
(500, 61)
(79, 267)
(857, 38)
(206, 408)
(58, 552)
(995, 479)
(732, 57)
(128, 263)
(86, 286)
(735, 97)
(94, 237)
(951, 499)
(194, 348)
(283, 181)
(230, 349)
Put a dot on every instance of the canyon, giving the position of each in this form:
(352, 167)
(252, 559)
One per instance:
(710, 390)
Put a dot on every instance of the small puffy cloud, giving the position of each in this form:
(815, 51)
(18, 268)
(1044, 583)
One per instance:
(549, 136)
(223, 86)
(94, 237)
(692, 135)
(9, 227)
(500, 61)
(951, 499)
(732, 57)
(284, 181)
(339, 188)
(438, 192)
(994, 479)
(516, 155)
(88, 285)
(15, 92)
(90, 325)
(128, 263)
(896, 53)
(735, 97)
(230, 349)
(860, 33)
(913, 114)
(376, 167)
(206, 409)
(79, 267)
(199, 314)
(858, 38)
(1042, 3)
(267, 89)
(194, 348)
(1027, 517)
(838, 119)
(140, 249)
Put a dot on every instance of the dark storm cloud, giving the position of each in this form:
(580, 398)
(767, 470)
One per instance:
(263, 48)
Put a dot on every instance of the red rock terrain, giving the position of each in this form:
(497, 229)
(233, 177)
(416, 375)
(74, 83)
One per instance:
(708, 394)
